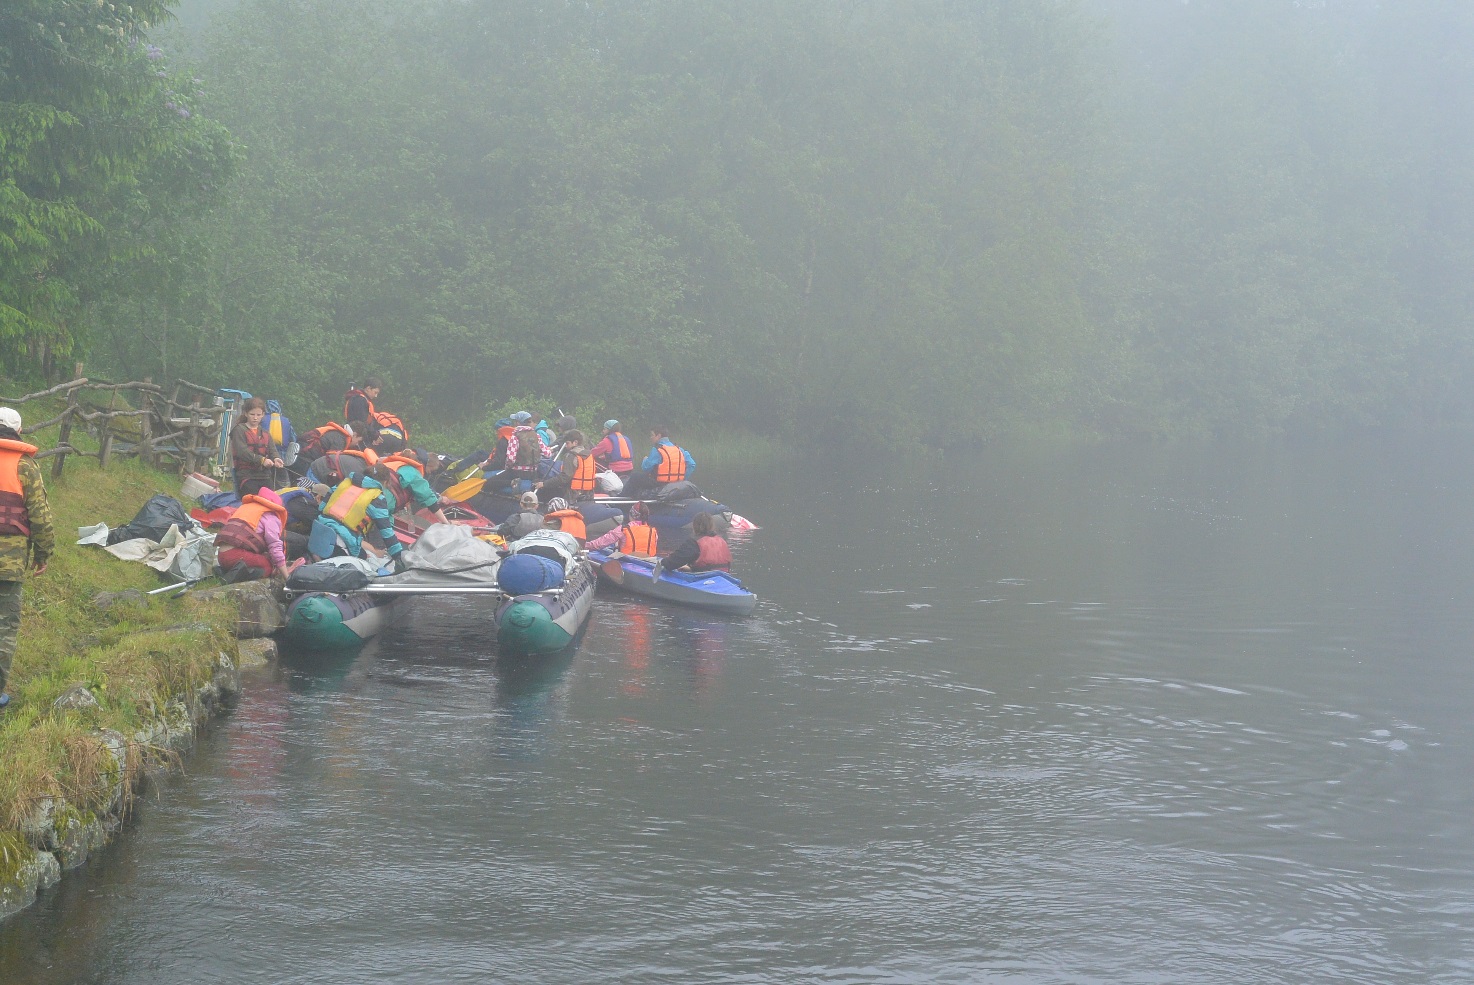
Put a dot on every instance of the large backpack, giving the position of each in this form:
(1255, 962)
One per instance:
(278, 425)
(529, 449)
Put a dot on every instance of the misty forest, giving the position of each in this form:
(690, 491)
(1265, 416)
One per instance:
(939, 221)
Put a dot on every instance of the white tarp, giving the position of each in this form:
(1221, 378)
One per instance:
(186, 556)
(547, 543)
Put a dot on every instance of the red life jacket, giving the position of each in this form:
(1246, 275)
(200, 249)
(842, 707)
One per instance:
(259, 441)
(14, 519)
(395, 488)
(672, 464)
(583, 475)
(639, 539)
(570, 522)
(714, 554)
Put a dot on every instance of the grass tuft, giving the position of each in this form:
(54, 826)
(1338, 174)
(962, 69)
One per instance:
(137, 660)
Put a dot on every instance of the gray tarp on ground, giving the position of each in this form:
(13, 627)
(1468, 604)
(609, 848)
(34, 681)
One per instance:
(447, 555)
(188, 556)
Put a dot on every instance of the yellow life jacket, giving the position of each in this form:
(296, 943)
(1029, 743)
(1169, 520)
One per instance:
(349, 505)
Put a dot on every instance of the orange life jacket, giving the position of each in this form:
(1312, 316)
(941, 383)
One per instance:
(366, 459)
(348, 397)
(243, 528)
(622, 452)
(384, 419)
(399, 458)
(639, 539)
(14, 519)
(583, 475)
(570, 522)
(672, 464)
(312, 441)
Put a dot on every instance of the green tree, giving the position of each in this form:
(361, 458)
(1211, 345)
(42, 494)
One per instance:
(95, 132)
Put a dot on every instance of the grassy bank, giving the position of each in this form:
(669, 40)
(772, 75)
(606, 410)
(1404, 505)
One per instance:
(135, 657)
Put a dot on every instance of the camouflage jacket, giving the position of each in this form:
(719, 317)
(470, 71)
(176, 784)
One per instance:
(13, 547)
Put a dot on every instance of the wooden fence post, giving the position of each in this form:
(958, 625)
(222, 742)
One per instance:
(105, 451)
(146, 429)
(64, 436)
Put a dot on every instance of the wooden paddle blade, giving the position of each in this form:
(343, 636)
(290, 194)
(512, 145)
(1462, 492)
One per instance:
(613, 570)
(465, 489)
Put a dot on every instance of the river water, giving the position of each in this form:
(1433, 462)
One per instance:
(1123, 714)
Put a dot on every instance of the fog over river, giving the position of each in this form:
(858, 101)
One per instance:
(1172, 713)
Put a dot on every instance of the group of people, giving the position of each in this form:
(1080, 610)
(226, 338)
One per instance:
(340, 494)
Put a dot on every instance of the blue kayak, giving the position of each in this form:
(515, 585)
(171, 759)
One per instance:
(717, 591)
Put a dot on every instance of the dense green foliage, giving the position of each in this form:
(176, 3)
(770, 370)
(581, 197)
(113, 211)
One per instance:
(832, 218)
(99, 149)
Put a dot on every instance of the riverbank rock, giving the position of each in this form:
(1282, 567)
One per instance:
(129, 598)
(257, 653)
(259, 613)
(76, 697)
(22, 877)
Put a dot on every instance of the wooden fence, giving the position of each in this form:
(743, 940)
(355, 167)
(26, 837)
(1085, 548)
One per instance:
(139, 419)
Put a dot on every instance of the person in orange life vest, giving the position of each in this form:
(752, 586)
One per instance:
(251, 539)
(358, 518)
(636, 537)
(254, 455)
(358, 403)
(335, 466)
(614, 451)
(574, 479)
(389, 440)
(706, 550)
(332, 436)
(410, 471)
(561, 516)
(666, 463)
(25, 532)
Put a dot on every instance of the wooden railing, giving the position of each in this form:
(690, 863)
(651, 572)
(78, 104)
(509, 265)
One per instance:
(182, 428)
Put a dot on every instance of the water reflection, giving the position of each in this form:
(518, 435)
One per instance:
(532, 696)
(701, 646)
(1161, 714)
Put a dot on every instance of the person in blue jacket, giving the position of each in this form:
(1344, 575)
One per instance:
(667, 462)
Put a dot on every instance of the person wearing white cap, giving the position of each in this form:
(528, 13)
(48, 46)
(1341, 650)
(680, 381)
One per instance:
(524, 521)
(25, 532)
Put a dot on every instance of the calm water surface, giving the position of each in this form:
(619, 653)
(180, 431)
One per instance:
(1172, 714)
